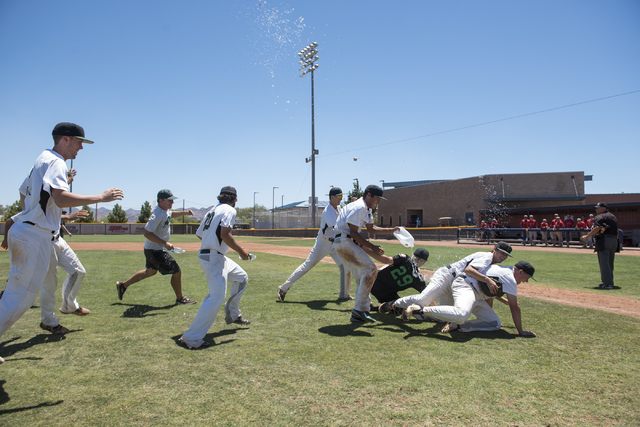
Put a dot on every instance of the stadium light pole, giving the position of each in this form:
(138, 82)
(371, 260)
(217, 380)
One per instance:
(254, 208)
(308, 57)
(273, 204)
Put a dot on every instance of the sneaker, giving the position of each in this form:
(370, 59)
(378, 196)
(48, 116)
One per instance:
(387, 307)
(203, 345)
(408, 312)
(186, 301)
(347, 298)
(78, 312)
(361, 316)
(57, 330)
(606, 287)
(121, 289)
(241, 321)
(281, 294)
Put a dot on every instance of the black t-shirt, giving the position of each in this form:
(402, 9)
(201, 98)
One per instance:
(608, 221)
(402, 274)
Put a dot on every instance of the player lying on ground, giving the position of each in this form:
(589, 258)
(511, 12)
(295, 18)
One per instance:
(469, 294)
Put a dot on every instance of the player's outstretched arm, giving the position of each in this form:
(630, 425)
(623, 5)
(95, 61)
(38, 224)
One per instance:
(65, 199)
(7, 226)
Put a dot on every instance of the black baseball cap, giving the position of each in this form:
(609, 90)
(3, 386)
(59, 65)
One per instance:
(421, 253)
(602, 205)
(526, 267)
(166, 194)
(70, 129)
(504, 247)
(374, 190)
(335, 191)
(229, 190)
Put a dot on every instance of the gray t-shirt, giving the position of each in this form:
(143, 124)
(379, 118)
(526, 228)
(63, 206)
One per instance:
(159, 225)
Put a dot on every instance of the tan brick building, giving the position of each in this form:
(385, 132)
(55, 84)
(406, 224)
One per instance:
(469, 200)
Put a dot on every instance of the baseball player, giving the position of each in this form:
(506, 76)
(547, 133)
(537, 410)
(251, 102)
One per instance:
(444, 276)
(404, 273)
(533, 234)
(353, 248)
(468, 299)
(157, 232)
(524, 223)
(29, 239)
(215, 233)
(322, 248)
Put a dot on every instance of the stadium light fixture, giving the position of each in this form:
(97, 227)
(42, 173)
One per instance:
(308, 57)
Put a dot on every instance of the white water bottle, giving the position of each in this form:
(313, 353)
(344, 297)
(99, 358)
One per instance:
(251, 257)
(178, 250)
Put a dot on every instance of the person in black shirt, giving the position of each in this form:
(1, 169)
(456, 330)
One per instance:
(605, 230)
(404, 273)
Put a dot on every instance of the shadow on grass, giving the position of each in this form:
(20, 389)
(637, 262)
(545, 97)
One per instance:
(319, 304)
(137, 310)
(348, 330)
(4, 398)
(6, 348)
(210, 338)
(434, 332)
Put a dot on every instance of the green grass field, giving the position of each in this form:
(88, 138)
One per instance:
(304, 363)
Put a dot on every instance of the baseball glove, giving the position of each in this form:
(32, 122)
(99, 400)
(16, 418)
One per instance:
(487, 291)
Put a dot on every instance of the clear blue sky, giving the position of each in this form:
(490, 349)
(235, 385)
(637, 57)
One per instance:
(195, 95)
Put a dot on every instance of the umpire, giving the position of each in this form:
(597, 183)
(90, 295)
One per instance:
(605, 230)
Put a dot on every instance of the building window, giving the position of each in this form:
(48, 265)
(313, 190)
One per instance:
(400, 220)
(381, 221)
(390, 220)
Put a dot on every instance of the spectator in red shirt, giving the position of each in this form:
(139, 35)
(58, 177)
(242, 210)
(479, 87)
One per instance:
(556, 234)
(533, 234)
(544, 225)
(581, 225)
(590, 241)
(524, 224)
(568, 223)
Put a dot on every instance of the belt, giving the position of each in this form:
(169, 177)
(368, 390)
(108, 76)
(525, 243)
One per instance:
(208, 251)
(340, 234)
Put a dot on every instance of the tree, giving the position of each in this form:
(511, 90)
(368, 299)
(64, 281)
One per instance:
(145, 213)
(89, 217)
(245, 215)
(356, 192)
(12, 210)
(117, 215)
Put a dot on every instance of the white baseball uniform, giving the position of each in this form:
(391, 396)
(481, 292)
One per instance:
(468, 299)
(61, 255)
(354, 257)
(443, 278)
(220, 271)
(30, 238)
(322, 248)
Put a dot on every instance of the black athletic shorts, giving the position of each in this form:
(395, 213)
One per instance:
(161, 261)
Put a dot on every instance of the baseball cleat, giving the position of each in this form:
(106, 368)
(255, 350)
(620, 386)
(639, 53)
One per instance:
(347, 298)
(203, 345)
(56, 330)
(387, 307)
(121, 289)
(450, 327)
(185, 301)
(408, 312)
(241, 321)
(78, 312)
(281, 294)
(361, 316)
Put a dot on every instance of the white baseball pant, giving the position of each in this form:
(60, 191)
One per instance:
(321, 249)
(438, 287)
(219, 271)
(61, 255)
(29, 255)
(363, 270)
(464, 298)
